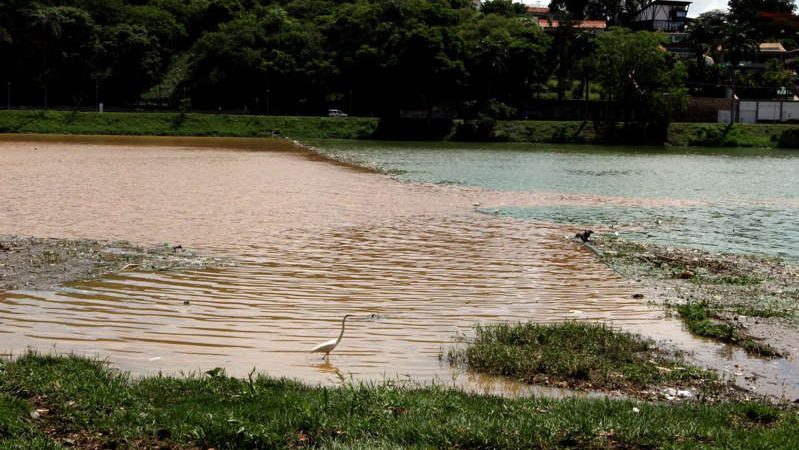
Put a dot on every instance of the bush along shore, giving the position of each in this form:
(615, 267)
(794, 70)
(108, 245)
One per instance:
(744, 300)
(49, 402)
(296, 127)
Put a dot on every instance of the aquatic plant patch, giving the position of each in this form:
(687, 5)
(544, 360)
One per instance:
(581, 355)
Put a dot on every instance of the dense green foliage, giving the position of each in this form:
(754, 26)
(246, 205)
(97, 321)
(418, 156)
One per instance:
(292, 56)
(86, 404)
(369, 57)
(641, 77)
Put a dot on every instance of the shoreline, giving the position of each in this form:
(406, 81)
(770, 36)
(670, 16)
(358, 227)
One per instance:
(360, 128)
(747, 301)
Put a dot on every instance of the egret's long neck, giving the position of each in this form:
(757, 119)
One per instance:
(343, 324)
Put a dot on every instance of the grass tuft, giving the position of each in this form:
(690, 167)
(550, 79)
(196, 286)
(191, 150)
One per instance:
(576, 354)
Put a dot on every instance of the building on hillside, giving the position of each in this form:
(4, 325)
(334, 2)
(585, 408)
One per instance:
(767, 51)
(670, 16)
(549, 21)
(538, 11)
(768, 56)
(593, 26)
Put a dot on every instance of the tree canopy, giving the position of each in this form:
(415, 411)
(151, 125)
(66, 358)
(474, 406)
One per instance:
(375, 57)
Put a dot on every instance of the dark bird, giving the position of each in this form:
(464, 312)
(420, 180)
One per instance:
(584, 235)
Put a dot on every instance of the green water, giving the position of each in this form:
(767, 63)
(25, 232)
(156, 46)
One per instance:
(738, 200)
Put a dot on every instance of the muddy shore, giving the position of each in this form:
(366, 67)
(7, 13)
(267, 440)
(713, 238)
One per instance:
(33, 263)
(745, 300)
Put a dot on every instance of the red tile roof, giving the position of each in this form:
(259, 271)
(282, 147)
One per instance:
(584, 25)
(537, 10)
(774, 47)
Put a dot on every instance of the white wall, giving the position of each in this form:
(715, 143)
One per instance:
(768, 111)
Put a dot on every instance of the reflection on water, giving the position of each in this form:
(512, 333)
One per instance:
(313, 241)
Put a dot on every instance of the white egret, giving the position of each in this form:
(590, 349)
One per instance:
(327, 347)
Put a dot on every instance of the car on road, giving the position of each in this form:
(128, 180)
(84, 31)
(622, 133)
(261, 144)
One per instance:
(336, 113)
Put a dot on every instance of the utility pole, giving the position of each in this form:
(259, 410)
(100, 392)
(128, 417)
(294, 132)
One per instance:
(732, 97)
(350, 108)
(8, 95)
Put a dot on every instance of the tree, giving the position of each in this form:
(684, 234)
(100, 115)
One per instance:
(706, 33)
(575, 9)
(760, 18)
(615, 12)
(505, 8)
(261, 56)
(399, 55)
(639, 74)
(776, 76)
(131, 62)
(61, 37)
(504, 58)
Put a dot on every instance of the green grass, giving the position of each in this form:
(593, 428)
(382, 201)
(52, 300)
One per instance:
(177, 124)
(194, 124)
(721, 135)
(579, 355)
(90, 405)
(545, 131)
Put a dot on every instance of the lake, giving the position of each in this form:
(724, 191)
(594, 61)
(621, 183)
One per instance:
(735, 200)
(455, 236)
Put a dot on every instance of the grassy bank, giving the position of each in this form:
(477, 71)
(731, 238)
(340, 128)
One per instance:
(679, 134)
(721, 135)
(61, 402)
(177, 124)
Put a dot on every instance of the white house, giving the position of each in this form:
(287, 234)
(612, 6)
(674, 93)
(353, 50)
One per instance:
(663, 15)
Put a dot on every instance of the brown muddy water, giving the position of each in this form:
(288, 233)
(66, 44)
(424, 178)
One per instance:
(312, 240)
